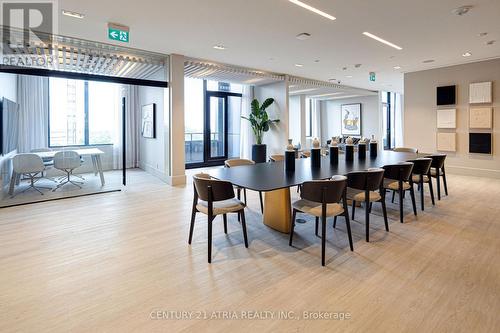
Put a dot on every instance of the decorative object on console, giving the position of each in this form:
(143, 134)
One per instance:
(290, 147)
(362, 149)
(447, 118)
(447, 142)
(316, 154)
(290, 156)
(148, 127)
(373, 147)
(480, 143)
(349, 149)
(481, 117)
(446, 95)
(480, 92)
(351, 119)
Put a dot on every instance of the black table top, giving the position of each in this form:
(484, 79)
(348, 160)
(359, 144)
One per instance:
(272, 175)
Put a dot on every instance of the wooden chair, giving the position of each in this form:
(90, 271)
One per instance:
(406, 150)
(239, 162)
(397, 179)
(421, 175)
(321, 199)
(362, 187)
(438, 171)
(215, 197)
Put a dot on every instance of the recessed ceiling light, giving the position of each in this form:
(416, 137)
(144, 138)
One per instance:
(303, 91)
(219, 47)
(316, 61)
(299, 65)
(466, 54)
(357, 65)
(348, 76)
(73, 14)
(397, 67)
(332, 80)
(461, 10)
(312, 9)
(482, 34)
(382, 40)
(428, 61)
(303, 36)
(490, 42)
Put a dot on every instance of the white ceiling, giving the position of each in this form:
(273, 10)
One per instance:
(261, 34)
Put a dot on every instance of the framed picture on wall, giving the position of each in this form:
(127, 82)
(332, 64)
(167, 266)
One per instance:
(351, 119)
(148, 125)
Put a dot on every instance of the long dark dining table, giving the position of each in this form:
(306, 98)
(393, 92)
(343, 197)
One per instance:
(272, 179)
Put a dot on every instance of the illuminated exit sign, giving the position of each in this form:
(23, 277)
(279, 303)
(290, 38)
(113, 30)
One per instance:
(118, 32)
(372, 76)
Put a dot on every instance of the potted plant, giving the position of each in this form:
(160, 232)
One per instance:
(260, 122)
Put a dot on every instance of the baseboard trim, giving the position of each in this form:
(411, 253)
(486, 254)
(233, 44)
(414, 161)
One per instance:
(155, 172)
(177, 180)
(477, 172)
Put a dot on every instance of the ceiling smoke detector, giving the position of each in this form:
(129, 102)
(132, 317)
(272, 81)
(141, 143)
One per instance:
(357, 65)
(303, 36)
(460, 11)
(482, 34)
(490, 42)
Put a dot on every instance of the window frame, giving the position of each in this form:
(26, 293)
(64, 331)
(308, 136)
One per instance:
(86, 129)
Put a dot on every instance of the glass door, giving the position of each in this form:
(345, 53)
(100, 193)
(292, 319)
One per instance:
(216, 138)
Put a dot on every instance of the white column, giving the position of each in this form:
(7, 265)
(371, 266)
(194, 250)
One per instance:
(177, 169)
(303, 141)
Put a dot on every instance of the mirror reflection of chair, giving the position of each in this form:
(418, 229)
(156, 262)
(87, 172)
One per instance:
(48, 162)
(321, 199)
(67, 161)
(32, 166)
(239, 162)
(277, 158)
(214, 197)
(406, 150)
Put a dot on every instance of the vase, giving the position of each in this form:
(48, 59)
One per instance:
(259, 153)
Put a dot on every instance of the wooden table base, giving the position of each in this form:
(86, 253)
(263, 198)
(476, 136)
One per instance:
(278, 210)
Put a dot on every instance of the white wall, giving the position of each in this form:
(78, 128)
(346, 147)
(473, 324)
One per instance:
(370, 117)
(8, 89)
(420, 114)
(152, 151)
(277, 137)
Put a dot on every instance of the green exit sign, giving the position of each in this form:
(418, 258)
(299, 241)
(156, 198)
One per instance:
(372, 76)
(118, 32)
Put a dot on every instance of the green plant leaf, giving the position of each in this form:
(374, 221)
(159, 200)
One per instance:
(255, 107)
(266, 104)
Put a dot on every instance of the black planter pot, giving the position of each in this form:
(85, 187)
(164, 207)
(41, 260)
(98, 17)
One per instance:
(259, 153)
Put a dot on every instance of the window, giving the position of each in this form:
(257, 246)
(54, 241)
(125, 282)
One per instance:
(83, 113)
(390, 117)
(309, 118)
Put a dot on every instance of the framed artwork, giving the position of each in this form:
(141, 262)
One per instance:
(481, 118)
(447, 142)
(351, 119)
(447, 118)
(480, 143)
(148, 125)
(480, 92)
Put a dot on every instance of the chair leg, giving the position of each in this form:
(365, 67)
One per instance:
(191, 227)
(353, 208)
(348, 225)
(431, 189)
(244, 226)
(323, 239)
(334, 222)
(393, 195)
(292, 226)
(444, 183)
(238, 195)
(210, 219)
(367, 220)
(438, 181)
(224, 217)
(421, 185)
(400, 192)
(384, 211)
(413, 203)
(370, 207)
(245, 196)
(261, 203)
(316, 227)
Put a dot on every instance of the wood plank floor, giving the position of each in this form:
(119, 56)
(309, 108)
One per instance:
(108, 263)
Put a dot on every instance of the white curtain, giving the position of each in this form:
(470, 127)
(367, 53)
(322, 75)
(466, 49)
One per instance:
(132, 123)
(398, 126)
(246, 133)
(33, 100)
